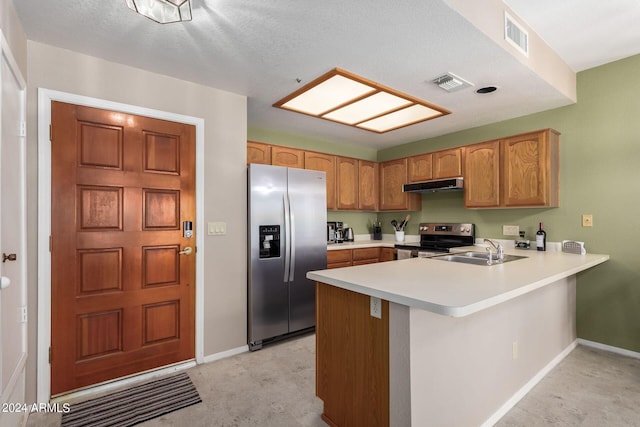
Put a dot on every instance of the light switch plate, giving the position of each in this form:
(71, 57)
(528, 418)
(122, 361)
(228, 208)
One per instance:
(217, 228)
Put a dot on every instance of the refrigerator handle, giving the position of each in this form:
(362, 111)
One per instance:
(287, 237)
(292, 241)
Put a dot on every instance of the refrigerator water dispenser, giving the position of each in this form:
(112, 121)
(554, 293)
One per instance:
(269, 241)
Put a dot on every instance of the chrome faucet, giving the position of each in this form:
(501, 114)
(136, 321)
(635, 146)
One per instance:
(499, 250)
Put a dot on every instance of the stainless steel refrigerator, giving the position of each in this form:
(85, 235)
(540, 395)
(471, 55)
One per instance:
(287, 238)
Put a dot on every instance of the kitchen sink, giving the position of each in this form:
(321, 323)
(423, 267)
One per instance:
(477, 258)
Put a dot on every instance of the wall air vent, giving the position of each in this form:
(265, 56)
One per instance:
(450, 82)
(515, 34)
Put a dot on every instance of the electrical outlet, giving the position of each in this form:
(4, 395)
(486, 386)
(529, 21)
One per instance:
(514, 350)
(587, 220)
(376, 307)
(511, 230)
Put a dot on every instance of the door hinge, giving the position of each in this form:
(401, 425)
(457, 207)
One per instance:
(50, 132)
(50, 243)
(23, 128)
(50, 355)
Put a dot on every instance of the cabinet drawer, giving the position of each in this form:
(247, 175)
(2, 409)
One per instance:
(343, 255)
(366, 253)
(339, 264)
(365, 261)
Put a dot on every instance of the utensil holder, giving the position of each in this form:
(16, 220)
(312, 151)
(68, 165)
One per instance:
(399, 236)
(377, 233)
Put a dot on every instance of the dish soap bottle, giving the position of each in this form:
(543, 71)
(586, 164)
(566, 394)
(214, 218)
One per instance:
(541, 239)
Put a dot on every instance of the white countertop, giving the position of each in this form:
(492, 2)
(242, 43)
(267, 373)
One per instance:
(452, 288)
(361, 244)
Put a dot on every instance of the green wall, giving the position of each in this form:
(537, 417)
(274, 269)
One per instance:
(599, 175)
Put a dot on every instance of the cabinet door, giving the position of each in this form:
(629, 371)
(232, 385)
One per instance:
(530, 169)
(393, 174)
(347, 179)
(447, 163)
(421, 167)
(326, 163)
(367, 185)
(289, 157)
(386, 254)
(258, 152)
(482, 175)
(339, 258)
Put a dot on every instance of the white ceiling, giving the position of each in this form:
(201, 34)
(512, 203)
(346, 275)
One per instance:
(259, 49)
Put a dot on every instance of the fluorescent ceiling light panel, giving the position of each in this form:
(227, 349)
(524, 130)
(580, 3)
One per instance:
(371, 106)
(337, 90)
(401, 118)
(349, 99)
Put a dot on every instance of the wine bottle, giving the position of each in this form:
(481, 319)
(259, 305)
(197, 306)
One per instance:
(541, 239)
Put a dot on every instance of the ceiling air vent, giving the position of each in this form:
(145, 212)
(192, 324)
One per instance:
(515, 34)
(450, 82)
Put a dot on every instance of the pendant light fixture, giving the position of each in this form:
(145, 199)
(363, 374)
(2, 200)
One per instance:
(162, 11)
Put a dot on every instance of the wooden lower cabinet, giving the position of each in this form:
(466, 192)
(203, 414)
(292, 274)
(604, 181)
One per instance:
(387, 254)
(348, 257)
(352, 358)
(365, 256)
(339, 258)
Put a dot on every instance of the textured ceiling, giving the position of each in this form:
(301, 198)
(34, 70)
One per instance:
(259, 49)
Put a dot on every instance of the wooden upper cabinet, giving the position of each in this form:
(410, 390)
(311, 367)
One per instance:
(289, 157)
(482, 179)
(347, 179)
(258, 152)
(447, 163)
(393, 174)
(326, 163)
(421, 167)
(367, 185)
(530, 169)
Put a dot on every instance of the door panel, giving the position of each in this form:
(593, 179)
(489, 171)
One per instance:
(123, 298)
(268, 293)
(307, 192)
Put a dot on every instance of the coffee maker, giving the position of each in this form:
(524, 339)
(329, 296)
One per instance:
(335, 232)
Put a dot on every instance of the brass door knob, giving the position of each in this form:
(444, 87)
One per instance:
(186, 251)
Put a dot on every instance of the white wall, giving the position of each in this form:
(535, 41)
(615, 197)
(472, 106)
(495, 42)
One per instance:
(225, 116)
(465, 370)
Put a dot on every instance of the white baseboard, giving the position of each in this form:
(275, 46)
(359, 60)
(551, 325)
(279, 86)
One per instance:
(509, 404)
(225, 354)
(609, 348)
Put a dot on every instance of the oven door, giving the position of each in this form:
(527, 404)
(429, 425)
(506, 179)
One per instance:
(405, 253)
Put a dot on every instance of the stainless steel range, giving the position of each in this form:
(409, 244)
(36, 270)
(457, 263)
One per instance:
(436, 239)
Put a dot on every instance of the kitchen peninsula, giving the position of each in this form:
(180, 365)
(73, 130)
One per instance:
(455, 344)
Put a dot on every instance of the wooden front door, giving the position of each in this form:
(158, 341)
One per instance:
(122, 295)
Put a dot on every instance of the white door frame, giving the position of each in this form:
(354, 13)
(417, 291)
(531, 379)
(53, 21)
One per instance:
(20, 151)
(45, 96)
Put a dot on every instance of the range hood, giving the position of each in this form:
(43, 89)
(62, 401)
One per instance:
(434, 186)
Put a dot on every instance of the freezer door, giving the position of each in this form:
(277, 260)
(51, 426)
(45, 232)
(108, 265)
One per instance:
(308, 201)
(268, 291)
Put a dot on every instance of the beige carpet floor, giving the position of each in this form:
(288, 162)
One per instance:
(275, 387)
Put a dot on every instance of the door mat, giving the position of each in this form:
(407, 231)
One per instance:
(134, 405)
